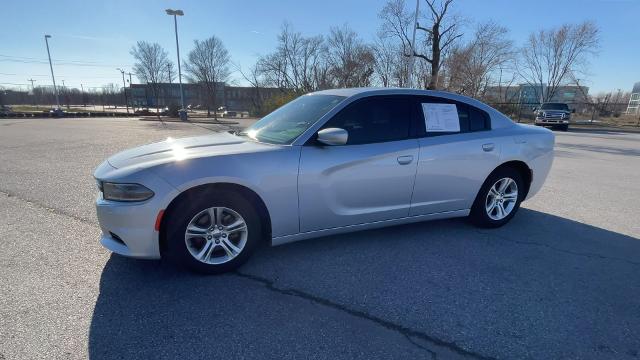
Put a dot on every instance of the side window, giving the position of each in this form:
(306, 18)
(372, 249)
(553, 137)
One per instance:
(478, 120)
(469, 118)
(374, 120)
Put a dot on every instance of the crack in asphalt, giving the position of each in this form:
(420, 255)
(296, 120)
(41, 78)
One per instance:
(433, 354)
(403, 330)
(553, 248)
(43, 206)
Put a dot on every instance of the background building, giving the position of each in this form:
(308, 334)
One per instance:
(234, 98)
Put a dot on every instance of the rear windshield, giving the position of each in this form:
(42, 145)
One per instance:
(554, 106)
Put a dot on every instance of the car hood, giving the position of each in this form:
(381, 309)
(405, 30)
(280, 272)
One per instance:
(171, 150)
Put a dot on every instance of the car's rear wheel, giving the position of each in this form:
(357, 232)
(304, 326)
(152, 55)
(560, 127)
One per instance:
(212, 233)
(498, 199)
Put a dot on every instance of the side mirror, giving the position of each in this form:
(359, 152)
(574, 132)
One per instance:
(333, 136)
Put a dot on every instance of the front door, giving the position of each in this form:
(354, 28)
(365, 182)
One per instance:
(368, 179)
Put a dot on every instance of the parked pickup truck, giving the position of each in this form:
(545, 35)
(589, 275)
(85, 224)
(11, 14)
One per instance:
(554, 115)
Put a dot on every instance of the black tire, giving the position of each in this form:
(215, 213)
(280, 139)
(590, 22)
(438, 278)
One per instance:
(564, 127)
(479, 215)
(180, 216)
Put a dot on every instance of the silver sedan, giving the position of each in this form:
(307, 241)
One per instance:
(329, 162)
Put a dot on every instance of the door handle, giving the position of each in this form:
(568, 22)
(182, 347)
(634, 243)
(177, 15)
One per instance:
(404, 160)
(488, 147)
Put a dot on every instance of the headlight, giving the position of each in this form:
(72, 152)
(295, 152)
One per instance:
(125, 192)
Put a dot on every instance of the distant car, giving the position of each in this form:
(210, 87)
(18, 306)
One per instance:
(56, 112)
(555, 115)
(230, 114)
(329, 162)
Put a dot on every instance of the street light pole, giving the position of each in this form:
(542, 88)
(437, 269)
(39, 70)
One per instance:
(124, 89)
(84, 103)
(55, 90)
(413, 44)
(175, 14)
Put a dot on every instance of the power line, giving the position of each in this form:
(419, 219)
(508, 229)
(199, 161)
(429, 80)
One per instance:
(58, 63)
(32, 60)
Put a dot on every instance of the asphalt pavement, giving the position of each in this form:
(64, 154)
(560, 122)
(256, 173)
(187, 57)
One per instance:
(559, 281)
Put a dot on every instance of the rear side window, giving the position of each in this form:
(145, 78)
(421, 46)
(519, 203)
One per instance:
(470, 119)
(375, 119)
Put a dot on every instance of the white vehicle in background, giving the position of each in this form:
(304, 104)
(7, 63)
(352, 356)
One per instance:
(555, 115)
(329, 162)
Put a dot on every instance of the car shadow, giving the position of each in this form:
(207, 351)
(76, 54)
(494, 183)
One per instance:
(533, 288)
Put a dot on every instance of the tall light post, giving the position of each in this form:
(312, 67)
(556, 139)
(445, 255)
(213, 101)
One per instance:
(176, 13)
(124, 89)
(55, 90)
(413, 44)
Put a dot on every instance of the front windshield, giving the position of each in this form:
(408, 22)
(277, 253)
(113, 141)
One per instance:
(554, 106)
(286, 123)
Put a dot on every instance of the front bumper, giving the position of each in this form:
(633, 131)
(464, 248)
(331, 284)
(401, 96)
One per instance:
(128, 228)
(552, 121)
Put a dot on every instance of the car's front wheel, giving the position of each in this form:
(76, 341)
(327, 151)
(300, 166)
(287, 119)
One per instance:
(213, 232)
(499, 198)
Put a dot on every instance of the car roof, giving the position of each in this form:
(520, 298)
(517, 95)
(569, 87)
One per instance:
(382, 91)
(368, 91)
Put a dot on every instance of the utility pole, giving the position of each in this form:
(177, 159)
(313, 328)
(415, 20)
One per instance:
(65, 94)
(131, 93)
(33, 91)
(176, 13)
(55, 90)
(84, 103)
(124, 89)
(413, 45)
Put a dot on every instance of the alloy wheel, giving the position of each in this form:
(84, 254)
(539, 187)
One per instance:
(501, 199)
(216, 235)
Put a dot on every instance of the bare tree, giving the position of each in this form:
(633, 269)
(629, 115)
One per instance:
(151, 65)
(297, 64)
(436, 38)
(350, 61)
(257, 82)
(384, 54)
(391, 67)
(208, 64)
(480, 63)
(551, 58)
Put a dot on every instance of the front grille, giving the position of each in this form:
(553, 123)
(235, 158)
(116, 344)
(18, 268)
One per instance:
(552, 115)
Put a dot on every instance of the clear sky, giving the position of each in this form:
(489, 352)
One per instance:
(92, 38)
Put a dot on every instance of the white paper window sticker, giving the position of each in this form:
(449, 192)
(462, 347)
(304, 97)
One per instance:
(441, 117)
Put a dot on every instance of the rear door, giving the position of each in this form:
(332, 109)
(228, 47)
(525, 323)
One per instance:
(368, 179)
(452, 164)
